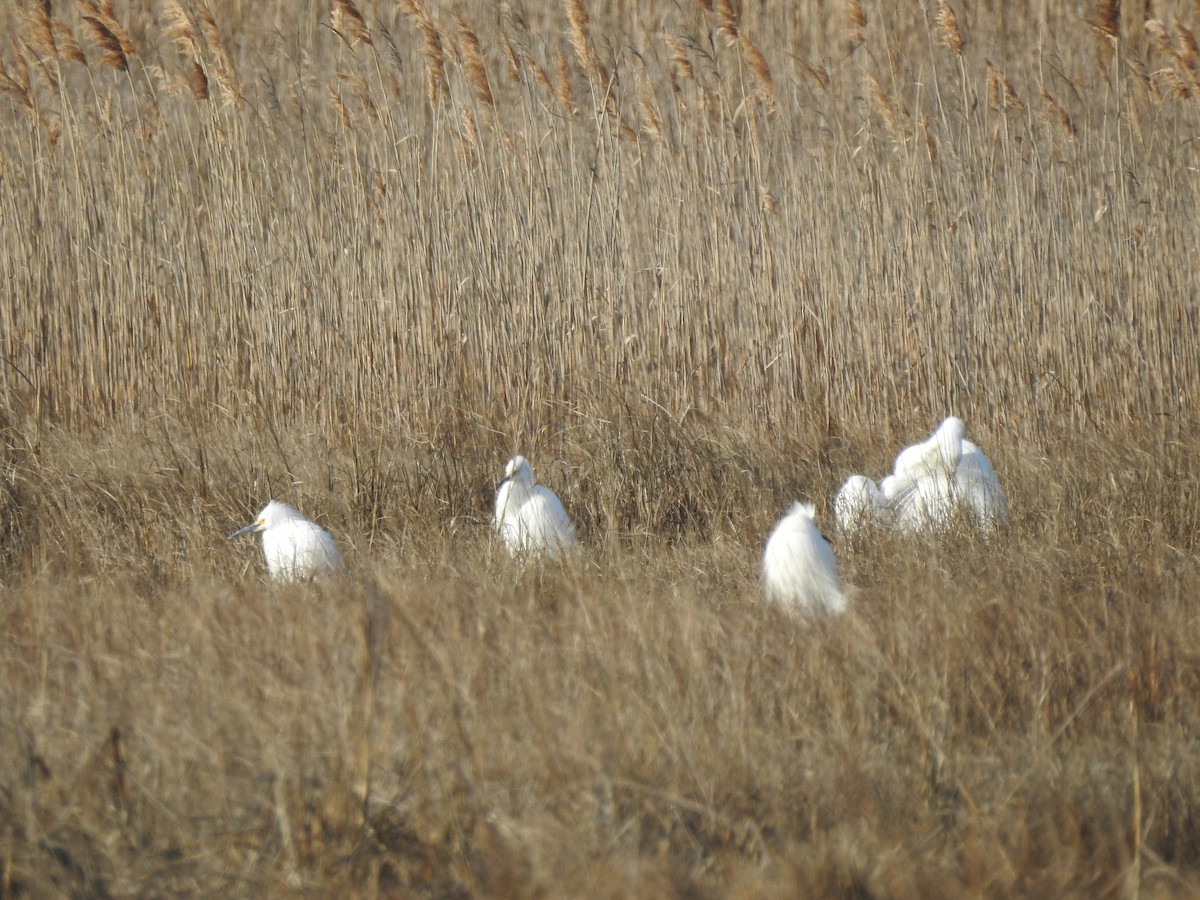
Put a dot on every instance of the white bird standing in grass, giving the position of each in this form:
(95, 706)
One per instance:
(979, 489)
(945, 471)
(296, 549)
(799, 568)
(860, 505)
(923, 490)
(529, 516)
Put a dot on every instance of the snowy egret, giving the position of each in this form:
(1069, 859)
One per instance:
(296, 549)
(935, 477)
(860, 504)
(923, 490)
(979, 488)
(799, 568)
(529, 516)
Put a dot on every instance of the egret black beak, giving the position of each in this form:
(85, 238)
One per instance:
(253, 526)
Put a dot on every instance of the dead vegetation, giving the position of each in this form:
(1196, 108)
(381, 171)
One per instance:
(698, 261)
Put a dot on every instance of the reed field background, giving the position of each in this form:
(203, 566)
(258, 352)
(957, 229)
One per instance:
(697, 260)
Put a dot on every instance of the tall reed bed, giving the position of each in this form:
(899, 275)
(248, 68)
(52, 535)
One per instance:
(509, 215)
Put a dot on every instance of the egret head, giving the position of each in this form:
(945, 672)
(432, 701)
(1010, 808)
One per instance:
(519, 470)
(804, 511)
(860, 489)
(949, 440)
(271, 515)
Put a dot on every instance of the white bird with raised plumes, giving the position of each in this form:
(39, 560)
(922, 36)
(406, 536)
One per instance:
(860, 505)
(529, 516)
(799, 568)
(295, 548)
(979, 488)
(923, 490)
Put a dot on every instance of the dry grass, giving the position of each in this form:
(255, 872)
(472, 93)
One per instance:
(697, 261)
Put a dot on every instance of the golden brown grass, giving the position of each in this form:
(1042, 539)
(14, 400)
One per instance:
(697, 261)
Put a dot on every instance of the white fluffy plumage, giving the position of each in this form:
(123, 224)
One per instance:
(295, 548)
(930, 481)
(529, 517)
(859, 505)
(799, 568)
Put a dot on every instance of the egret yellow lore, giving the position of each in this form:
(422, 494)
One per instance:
(529, 517)
(295, 548)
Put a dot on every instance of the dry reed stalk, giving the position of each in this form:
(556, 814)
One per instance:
(540, 76)
(68, 46)
(17, 87)
(224, 70)
(948, 24)
(1001, 95)
(856, 21)
(513, 63)
(727, 19)
(819, 75)
(581, 43)
(1059, 114)
(681, 66)
(435, 54)
(1189, 55)
(1159, 37)
(470, 129)
(102, 36)
(562, 83)
(473, 56)
(758, 65)
(339, 106)
(651, 123)
(47, 66)
(1107, 26)
(179, 27)
(39, 30)
(198, 81)
(884, 104)
(931, 147)
(1179, 87)
(349, 22)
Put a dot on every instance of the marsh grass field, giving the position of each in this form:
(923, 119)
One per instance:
(697, 260)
